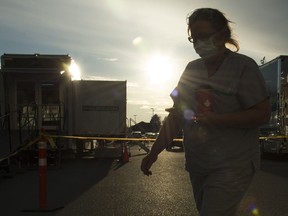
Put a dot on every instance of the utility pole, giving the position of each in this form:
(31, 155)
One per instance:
(135, 119)
(152, 111)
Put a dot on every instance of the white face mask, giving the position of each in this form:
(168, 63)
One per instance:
(205, 49)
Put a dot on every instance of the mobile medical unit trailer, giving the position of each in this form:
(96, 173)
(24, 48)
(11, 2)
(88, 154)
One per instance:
(275, 73)
(39, 93)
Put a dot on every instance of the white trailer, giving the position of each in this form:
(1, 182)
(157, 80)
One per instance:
(37, 92)
(275, 73)
(98, 108)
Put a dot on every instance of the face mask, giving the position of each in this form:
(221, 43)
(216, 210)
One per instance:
(205, 49)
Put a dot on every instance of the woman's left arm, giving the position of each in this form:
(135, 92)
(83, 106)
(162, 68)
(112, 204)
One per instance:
(255, 116)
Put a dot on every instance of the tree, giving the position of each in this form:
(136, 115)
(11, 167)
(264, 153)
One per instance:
(155, 123)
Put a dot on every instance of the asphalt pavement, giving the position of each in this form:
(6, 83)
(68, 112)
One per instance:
(106, 186)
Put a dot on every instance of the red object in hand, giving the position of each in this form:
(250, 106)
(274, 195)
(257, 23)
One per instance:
(204, 100)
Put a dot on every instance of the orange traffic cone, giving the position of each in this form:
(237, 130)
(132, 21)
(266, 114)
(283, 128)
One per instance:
(125, 154)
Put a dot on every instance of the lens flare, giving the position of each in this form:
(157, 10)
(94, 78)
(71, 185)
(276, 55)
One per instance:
(137, 41)
(254, 210)
(175, 93)
(189, 114)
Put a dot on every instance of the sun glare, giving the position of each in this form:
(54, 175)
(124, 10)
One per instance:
(74, 71)
(159, 69)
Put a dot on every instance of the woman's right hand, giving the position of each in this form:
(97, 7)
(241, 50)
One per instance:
(147, 162)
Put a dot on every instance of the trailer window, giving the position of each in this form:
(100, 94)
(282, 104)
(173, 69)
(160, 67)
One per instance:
(51, 108)
(26, 106)
(25, 92)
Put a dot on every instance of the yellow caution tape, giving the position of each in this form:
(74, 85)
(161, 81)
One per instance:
(273, 137)
(53, 145)
(20, 149)
(103, 138)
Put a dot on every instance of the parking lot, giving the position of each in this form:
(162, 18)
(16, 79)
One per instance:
(104, 186)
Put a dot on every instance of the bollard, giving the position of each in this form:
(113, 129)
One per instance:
(125, 157)
(42, 163)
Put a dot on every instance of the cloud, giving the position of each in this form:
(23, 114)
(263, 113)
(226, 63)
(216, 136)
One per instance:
(138, 102)
(132, 84)
(108, 59)
(92, 77)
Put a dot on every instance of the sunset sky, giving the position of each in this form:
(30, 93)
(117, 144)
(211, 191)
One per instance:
(141, 41)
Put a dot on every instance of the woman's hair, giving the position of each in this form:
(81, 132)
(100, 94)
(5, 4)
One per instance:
(218, 21)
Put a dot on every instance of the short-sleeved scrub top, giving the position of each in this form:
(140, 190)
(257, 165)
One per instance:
(236, 86)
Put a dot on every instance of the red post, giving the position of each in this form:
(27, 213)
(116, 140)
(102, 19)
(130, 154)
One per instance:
(42, 159)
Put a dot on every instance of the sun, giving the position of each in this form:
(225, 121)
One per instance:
(158, 69)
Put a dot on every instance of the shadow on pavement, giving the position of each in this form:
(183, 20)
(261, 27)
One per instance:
(275, 164)
(64, 184)
(77, 177)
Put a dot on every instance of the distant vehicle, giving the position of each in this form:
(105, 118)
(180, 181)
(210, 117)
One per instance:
(151, 135)
(275, 73)
(136, 134)
(177, 142)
